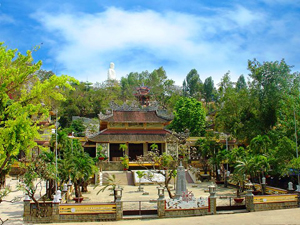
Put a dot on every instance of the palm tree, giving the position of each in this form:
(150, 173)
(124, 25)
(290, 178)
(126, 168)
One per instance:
(260, 144)
(239, 180)
(123, 147)
(82, 167)
(110, 181)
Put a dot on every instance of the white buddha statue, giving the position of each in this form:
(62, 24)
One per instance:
(111, 74)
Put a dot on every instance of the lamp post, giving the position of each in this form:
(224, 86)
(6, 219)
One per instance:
(225, 174)
(72, 141)
(296, 144)
(55, 131)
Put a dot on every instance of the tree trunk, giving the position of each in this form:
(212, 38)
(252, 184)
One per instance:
(168, 177)
(51, 189)
(84, 187)
(4, 163)
(2, 180)
(77, 190)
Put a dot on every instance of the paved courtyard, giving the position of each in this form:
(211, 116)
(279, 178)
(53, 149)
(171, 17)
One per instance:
(13, 211)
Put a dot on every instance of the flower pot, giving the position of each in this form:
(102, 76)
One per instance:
(255, 192)
(78, 199)
(180, 156)
(238, 200)
(101, 158)
(125, 169)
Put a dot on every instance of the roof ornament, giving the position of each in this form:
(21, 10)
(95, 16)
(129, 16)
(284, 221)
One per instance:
(133, 106)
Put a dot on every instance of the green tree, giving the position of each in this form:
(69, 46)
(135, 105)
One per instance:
(208, 89)
(192, 85)
(78, 127)
(25, 101)
(270, 82)
(44, 74)
(241, 83)
(82, 167)
(36, 172)
(189, 114)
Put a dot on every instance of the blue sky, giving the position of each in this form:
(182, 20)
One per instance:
(81, 38)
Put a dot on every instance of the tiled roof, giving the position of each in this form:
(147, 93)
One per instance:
(122, 136)
(122, 131)
(135, 117)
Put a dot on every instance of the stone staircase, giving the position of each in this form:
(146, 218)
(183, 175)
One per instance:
(122, 177)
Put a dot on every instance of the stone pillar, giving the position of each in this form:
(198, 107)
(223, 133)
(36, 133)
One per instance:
(145, 148)
(26, 214)
(212, 200)
(181, 181)
(161, 210)
(119, 203)
(119, 210)
(263, 186)
(55, 212)
(212, 204)
(250, 201)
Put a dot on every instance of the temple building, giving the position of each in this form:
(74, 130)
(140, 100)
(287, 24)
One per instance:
(138, 126)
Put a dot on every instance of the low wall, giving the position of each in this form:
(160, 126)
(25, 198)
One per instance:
(186, 212)
(271, 190)
(111, 166)
(56, 212)
(87, 212)
(271, 202)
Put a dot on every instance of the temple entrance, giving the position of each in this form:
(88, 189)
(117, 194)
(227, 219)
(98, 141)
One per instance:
(114, 152)
(134, 151)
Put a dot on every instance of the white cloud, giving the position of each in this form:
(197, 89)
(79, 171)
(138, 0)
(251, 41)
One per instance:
(145, 40)
(5, 19)
(282, 2)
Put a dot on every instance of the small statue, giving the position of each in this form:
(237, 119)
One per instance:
(111, 74)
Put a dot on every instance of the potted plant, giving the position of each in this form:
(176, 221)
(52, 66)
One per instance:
(140, 175)
(125, 162)
(238, 180)
(100, 153)
(123, 147)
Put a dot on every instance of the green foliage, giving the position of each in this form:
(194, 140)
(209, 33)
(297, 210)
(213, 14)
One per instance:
(25, 101)
(208, 89)
(123, 147)
(110, 181)
(260, 144)
(166, 160)
(154, 146)
(241, 83)
(78, 127)
(81, 167)
(239, 180)
(40, 169)
(4, 193)
(192, 85)
(125, 161)
(189, 114)
(140, 174)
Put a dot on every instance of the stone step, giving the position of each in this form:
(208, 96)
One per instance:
(123, 178)
(140, 217)
(232, 211)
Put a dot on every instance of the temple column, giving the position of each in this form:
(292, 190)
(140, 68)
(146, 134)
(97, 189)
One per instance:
(145, 149)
